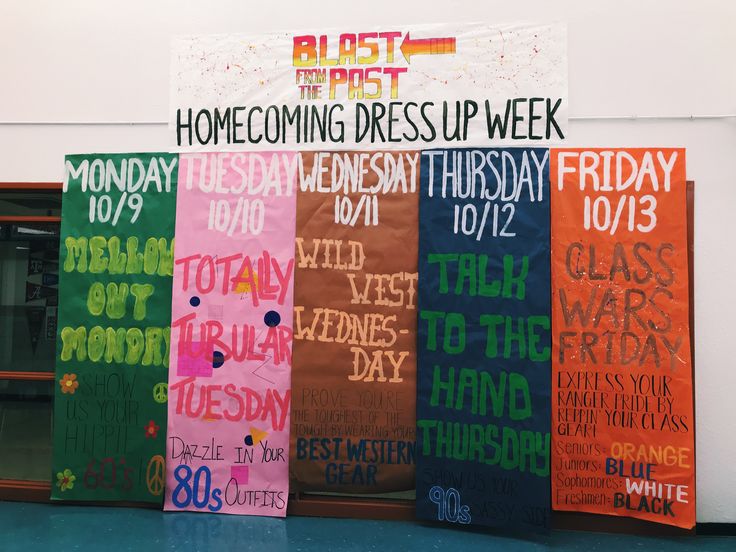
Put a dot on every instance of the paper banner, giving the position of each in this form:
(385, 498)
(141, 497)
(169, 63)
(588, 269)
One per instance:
(34, 292)
(39, 247)
(483, 341)
(35, 318)
(114, 312)
(232, 310)
(353, 423)
(397, 87)
(48, 279)
(35, 266)
(51, 323)
(622, 413)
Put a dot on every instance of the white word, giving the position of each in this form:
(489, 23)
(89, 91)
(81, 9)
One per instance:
(347, 214)
(354, 172)
(252, 215)
(100, 208)
(490, 174)
(257, 174)
(599, 211)
(657, 490)
(619, 170)
(133, 175)
(466, 220)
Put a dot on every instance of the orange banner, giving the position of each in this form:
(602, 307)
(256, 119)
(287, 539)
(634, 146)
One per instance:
(622, 407)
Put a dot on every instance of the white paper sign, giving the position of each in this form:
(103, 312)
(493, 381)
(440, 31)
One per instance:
(389, 88)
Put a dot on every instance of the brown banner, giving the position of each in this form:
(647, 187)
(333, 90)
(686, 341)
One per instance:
(355, 301)
(622, 407)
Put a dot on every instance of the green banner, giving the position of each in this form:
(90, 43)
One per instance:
(116, 261)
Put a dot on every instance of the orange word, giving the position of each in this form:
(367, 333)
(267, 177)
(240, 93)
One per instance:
(309, 50)
(659, 454)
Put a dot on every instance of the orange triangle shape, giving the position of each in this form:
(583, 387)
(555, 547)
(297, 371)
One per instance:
(244, 287)
(257, 435)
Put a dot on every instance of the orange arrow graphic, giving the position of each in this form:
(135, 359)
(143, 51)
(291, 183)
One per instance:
(431, 46)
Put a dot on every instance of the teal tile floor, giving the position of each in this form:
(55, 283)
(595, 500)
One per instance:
(57, 528)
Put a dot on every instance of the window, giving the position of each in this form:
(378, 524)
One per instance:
(29, 274)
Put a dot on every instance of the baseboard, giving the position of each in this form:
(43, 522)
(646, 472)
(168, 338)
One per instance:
(716, 529)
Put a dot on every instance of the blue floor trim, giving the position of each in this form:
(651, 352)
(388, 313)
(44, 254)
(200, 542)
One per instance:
(58, 527)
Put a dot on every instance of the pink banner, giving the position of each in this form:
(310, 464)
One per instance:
(229, 389)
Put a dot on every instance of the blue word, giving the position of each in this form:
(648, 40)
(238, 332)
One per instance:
(448, 505)
(191, 493)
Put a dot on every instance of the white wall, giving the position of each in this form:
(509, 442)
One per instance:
(94, 60)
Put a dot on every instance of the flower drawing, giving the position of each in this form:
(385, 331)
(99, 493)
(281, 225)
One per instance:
(151, 429)
(65, 480)
(69, 383)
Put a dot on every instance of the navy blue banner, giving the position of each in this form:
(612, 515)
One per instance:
(483, 398)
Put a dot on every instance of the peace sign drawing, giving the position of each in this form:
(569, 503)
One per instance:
(161, 392)
(155, 474)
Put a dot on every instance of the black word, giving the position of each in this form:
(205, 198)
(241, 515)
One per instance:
(521, 119)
